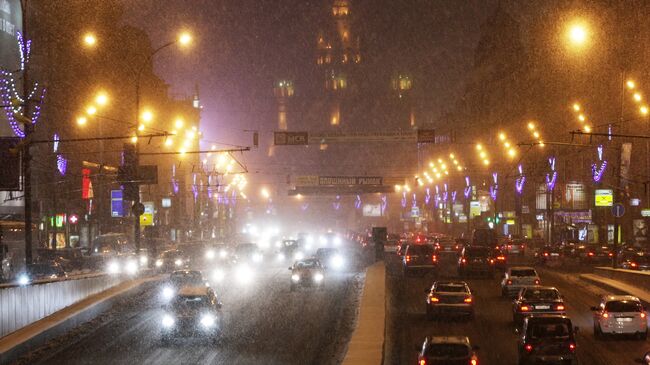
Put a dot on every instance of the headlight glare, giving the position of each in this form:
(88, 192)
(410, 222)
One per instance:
(168, 321)
(295, 277)
(207, 320)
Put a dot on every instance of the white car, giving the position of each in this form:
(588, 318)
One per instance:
(518, 277)
(620, 315)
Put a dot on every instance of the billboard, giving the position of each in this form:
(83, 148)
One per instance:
(604, 197)
(372, 210)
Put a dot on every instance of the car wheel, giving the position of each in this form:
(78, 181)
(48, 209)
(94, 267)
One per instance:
(643, 336)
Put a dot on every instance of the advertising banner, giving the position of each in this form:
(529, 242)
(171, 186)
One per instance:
(604, 197)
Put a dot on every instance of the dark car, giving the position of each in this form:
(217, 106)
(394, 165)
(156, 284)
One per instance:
(634, 261)
(446, 245)
(192, 312)
(476, 260)
(500, 260)
(449, 297)
(171, 260)
(548, 255)
(547, 339)
(419, 258)
(247, 252)
(537, 300)
(70, 259)
(451, 350)
(331, 258)
(486, 237)
(291, 250)
(595, 254)
(307, 273)
(180, 279)
(40, 271)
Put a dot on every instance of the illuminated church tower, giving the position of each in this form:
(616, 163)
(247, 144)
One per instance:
(337, 55)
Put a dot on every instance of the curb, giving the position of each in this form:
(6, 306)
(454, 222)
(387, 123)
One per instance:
(38, 333)
(366, 347)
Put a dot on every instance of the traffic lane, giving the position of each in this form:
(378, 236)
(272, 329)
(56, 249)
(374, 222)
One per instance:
(580, 297)
(264, 323)
(492, 329)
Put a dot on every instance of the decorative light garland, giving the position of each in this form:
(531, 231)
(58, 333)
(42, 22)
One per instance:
(551, 178)
(468, 188)
(598, 171)
(414, 202)
(337, 203)
(494, 189)
(61, 164)
(403, 201)
(520, 181)
(453, 197)
(384, 204)
(357, 202)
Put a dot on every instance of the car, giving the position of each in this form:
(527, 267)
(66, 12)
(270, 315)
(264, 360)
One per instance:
(486, 237)
(420, 258)
(548, 255)
(217, 252)
(40, 271)
(182, 278)
(449, 297)
(291, 250)
(194, 311)
(446, 244)
(171, 260)
(620, 315)
(500, 260)
(595, 254)
(401, 246)
(331, 258)
(547, 338)
(439, 350)
(537, 300)
(515, 247)
(476, 260)
(247, 253)
(635, 261)
(307, 273)
(517, 278)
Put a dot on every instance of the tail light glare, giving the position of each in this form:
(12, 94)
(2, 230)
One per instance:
(572, 346)
(536, 281)
(434, 258)
(473, 362)
(643, 315)
(559, 307)
(611, 254)
(605, 315)
(422, 362)
(528, 347)
(491, 261)
(546, 254)
(509, 282)
(408, 258)
(501, 258)
(468, 300)
(433, 299)
(463, 261)
(590, 254)
(633, 264)
(524, 308)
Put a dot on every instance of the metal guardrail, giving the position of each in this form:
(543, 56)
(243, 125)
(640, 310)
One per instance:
(23, 305)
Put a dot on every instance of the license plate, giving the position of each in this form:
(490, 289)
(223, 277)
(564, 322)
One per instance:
(542, 306)
(555, 254)
(623, 319)
(447, 248)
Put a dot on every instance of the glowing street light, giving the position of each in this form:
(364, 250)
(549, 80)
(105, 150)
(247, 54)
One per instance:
(91, 110)
(185, 38)
(630, 84)
(82, 120)
(179, 123)
(89, 39)
(101, 98)
(643, 110)
(265, 193)
(146, 116)
(578, 34)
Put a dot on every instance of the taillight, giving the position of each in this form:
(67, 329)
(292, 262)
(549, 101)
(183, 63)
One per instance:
(408, 258)
(491, 261)
(422, 362)
(572, 346)
(524, 308)
(605, 315)
(590, 254)
(434, 299)
(633, 264)
(463, 261)
(509, 247)
(434, 258)
(473, 362)
(501, 258)
(546, 254)
(509, 282)
(611, 254)
(559, 307)
(643, 315)
(468, 300)
(528, 347)
(536, 281)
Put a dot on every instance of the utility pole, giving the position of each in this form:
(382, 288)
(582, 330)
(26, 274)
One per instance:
(26, 160)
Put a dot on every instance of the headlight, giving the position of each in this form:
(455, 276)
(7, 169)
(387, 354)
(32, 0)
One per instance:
(23, 279)
(257, 257)
(207, 320)
(295, 277)
(168, 293)
(209, 254)
(244, 274)
(298, 255)
(131, 267)
(310, 239)
(223, 254)
(168, 321)
(337, 241)
(318, 277)
(281, 256)
(144, 260)
(218, 275)
(322, 240)
(178, 262)
(336, 262)
(113, 267)
(159, 263)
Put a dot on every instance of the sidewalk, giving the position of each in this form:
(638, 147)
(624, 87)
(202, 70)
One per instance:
(367, 344)
(640, 293)
(29, 337)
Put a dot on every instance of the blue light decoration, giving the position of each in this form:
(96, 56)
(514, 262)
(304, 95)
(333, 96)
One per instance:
(337, 203)
(55, 144)
(384, 204)
(304, 206)
(195, 188)
(445, 194)
(551, 177)
(494, 188)
(61, 164)
(357, 202)
(12, 102)
(209, 186)
(403, 199)
(520, 181)
(414, 202)
(436, 197)
(596, 170)
(234, 198)
(175, 186)
(427, 197)
(468, 188)
(453, 197)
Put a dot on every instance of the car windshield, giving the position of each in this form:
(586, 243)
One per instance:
(306, 264)
(191, 279)
(523, 272)
(420, 249)
(476, 252)
(623, 306)
(451, 288)
(245, 248)
(550, 330)
(447, 350)
(190, 302)
(541, 294)
(172, 254)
